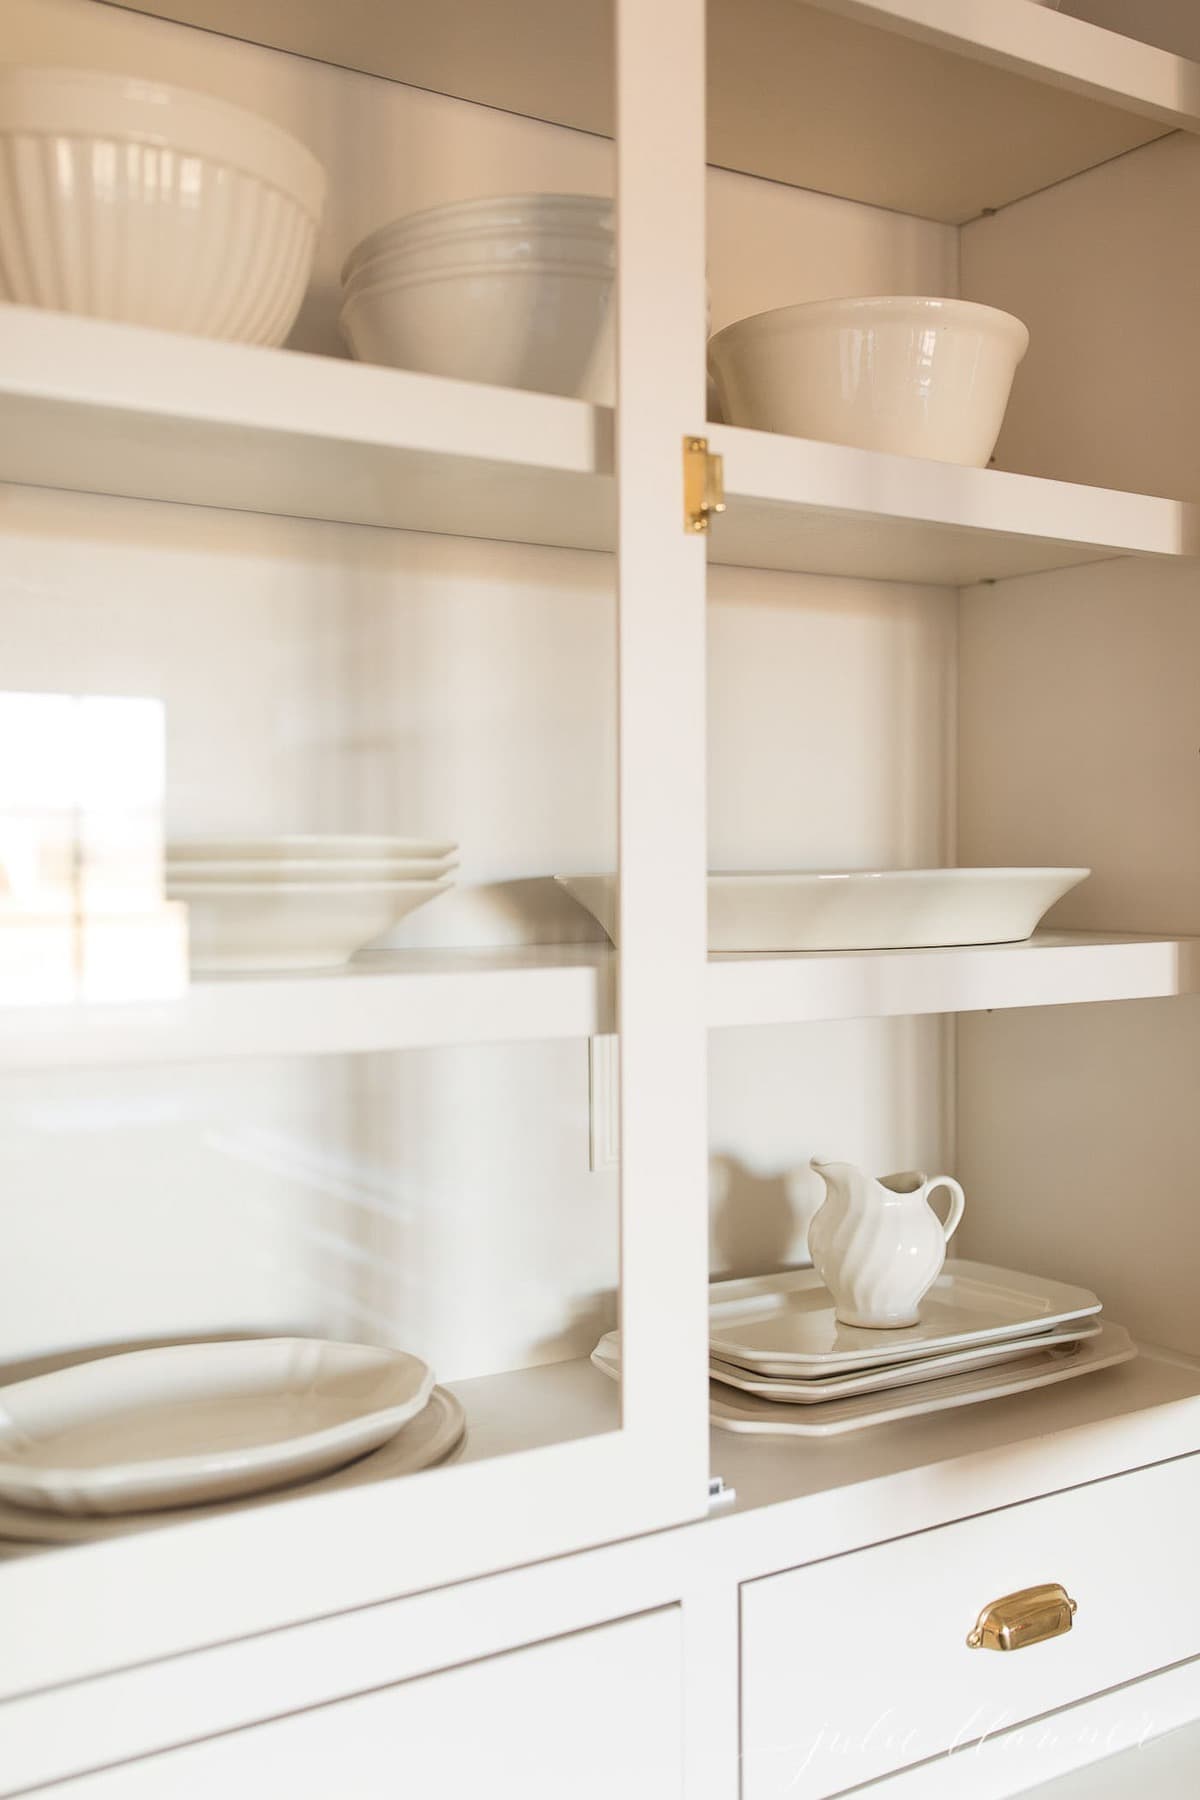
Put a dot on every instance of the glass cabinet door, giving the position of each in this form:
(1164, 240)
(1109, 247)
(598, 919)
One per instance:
(276, 613)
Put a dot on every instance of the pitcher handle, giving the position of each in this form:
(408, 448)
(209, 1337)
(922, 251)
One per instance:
(957, 1203)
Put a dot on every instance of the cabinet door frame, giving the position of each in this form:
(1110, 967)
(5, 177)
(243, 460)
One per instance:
(166, 1591)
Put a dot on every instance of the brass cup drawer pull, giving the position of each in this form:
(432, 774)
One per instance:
(1018, 1620)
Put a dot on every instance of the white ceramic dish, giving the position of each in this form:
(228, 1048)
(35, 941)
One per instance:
(816, 1390)
(193, 1422)
(137, 201)
(732, 1411)
(545, 326)
(515, 216)
(912, 375)
(430, 1437)
(311, 868)
(307, 844)
(236, 926)
(785, 1324)
(861, 909)
(467, 252)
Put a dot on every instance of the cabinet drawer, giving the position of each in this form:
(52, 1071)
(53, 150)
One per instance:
(860, 1665)
(592, 1715)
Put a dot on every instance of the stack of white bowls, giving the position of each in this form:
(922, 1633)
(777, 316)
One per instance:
(300, 902)
(150, 204)
(515, 291)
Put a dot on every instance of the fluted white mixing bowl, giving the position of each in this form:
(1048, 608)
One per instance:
(138, 201)
(916, 376)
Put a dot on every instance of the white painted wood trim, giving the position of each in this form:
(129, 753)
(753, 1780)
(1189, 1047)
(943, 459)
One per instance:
(662, 834)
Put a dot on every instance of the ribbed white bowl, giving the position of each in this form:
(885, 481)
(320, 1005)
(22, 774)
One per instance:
(531, 325)
(469, 252)
(912, 375)
(149, 204)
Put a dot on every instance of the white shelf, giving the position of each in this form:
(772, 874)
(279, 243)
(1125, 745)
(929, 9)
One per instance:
(832, 510)
(113, 409)
(385, 1001)
(403, 1000)
(1053, 968)
(117, 409)
(989, 100)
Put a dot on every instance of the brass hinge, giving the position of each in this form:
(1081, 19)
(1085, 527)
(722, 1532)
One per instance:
(703, 484)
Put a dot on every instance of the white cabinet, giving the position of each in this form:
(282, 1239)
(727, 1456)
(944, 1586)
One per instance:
(860, 1665)
(592, 1715)
(370, 599)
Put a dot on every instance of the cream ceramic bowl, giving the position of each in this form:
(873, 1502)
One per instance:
(914, 376)
(515, 291)
(544, 326)
(136, 201)
(507, 215)
(244, 925)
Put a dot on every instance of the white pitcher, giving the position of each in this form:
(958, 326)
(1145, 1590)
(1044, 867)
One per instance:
(878, 1245)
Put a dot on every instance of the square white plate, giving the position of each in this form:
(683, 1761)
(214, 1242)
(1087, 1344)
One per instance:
(733, 1411)
(785, 1324)
(895, 1375)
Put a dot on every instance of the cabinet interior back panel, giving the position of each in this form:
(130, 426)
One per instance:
(1079, 694)
(319, 677)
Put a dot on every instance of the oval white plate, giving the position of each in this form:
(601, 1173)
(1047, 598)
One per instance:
(190, 1422)
(432, 1437)
(858, 909)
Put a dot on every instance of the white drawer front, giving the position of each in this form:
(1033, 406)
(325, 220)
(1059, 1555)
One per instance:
(859, 1665)
(594, 1715)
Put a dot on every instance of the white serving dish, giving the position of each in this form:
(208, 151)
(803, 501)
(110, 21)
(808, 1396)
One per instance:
(308, 844)
(234, 926)
(455, 253)
(860, 909)
(816, 1390)
(516, 216)
(912, 375)
(732, 1411)
(199, 1422)
(137, 201)
(314, 868)
(785, 1324)
(430, 1437)
(542, 326)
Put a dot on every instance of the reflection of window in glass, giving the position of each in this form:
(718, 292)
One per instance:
(82, 914)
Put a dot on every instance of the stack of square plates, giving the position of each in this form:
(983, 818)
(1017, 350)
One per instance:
(780, 1361)
(300, 902)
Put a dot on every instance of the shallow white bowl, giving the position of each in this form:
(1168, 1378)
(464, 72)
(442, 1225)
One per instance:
(195, 1422)
(307, 844)
(869, 909)
(914, 376)
(540, 326)
(136, 201)
(503, 213)
(242, 925)
(314, 868)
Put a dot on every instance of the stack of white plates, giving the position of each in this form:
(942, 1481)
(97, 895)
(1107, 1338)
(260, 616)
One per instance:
(514, 291)
(90, 1450)
(300, 902)
(781, 1362)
